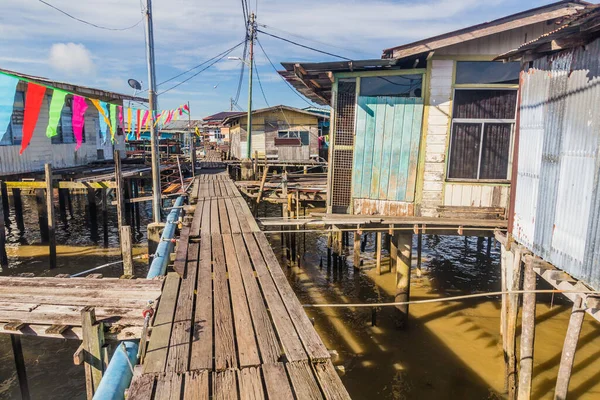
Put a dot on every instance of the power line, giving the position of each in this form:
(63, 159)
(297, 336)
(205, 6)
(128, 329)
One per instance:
(306, 47)
(90, 23)
(277, 73)
(239, 87)
(245, 12)
(260, 85)
(201, 64)
(224, 54)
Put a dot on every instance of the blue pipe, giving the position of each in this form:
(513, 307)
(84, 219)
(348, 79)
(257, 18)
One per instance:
(165, 247)
(117, 377)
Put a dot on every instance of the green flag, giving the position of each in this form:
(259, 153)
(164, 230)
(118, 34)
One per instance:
(113, 122)
(56, 106)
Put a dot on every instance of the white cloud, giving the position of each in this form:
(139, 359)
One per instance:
(71, 59)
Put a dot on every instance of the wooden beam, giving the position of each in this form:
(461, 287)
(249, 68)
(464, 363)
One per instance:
(50, 213)
(93, 340)
(20, 365)
(61, 185)
(403, 264)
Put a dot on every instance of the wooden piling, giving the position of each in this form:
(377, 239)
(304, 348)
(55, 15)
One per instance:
(136, 205)
(62, 204)
(403, 263)
(570, 346)
(119, 189)
(393, 249)
(17, 348)
(378, 253)
(40, 200)
(527, 333)
(356, 249)
(105, 216)
(419, 252)
(18, 202)
(50, 212)
(126, 250)
(93, 341)
(513, 271)
(5, 203)
(92, 213)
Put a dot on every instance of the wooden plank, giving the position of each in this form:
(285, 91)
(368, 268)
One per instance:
(225, 354)
(313, 344)
(330, 382)
(303, 381)
(224, 385)
(181, 254)
(292, 346)
(168, 387)
(215, 227)
(386, 155)
(371, 104)
(251, 386)
(225, 227)
(359, 144)
(141, 387)
(266, 337)
(181, 335)
(197, 219)
(93, 340)
(233, 217)
(396, 147)
(196, 386)
(202, 338)
(276, 382)
(156, 355)
(24, 301)
(244, 332)
(377, 147)
(415, 143)
(404, 136)
(206, 219)
(70, 315)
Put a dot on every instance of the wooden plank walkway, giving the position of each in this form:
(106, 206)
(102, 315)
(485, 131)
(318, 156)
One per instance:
(51, 307)
(228, 324)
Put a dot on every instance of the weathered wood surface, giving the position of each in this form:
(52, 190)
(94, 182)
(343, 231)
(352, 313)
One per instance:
(233, 326)
(51, 307)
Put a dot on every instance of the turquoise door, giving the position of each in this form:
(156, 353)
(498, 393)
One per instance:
(386, 147)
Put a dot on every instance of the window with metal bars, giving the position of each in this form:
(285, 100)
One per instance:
(482, 130)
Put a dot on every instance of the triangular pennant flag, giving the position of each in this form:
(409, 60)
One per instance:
(175, 115)
(102, 108)
(33, 102)
(138, 126)
(120, 116)
(157, 119)
(197, 132)
(56, 105)
(113, 122)
(79, 107)
(186, 109)
(129, 127)
(169, 117)
(8, 87)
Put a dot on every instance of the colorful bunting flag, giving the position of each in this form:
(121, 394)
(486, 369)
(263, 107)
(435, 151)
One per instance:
(138, 126)
(105, 125)
(56, 105)
(79, 107)
(186, 109)
(113, 122)
(120, 116)
(8, 88)
(129, 127)
(33, 103)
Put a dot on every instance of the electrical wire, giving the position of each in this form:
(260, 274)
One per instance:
(260, 85)
(277, 73)
(241, 79)
(90, 23)
(223, 55)
(304, 46)
(245, 13)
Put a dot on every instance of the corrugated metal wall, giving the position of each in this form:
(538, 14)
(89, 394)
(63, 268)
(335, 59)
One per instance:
(557, 209)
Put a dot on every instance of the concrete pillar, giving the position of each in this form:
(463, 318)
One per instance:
(154, 231)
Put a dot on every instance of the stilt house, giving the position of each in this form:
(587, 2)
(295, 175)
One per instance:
(428, 129)
(59, 150)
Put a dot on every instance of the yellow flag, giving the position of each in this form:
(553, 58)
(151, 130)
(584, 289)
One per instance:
(101, 110)
(128, 119)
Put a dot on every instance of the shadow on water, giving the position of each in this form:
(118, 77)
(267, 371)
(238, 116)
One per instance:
(49, 362)
(451, 349)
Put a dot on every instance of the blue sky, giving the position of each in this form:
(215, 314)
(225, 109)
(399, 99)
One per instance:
(38, 40)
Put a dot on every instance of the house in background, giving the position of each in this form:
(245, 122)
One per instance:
(59, 150)
(278, 133)
(214, 130)
(428, 129)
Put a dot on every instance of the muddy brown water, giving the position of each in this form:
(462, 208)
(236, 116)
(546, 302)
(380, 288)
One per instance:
(450, 350)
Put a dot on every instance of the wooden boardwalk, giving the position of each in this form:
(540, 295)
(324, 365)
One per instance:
(228, 324)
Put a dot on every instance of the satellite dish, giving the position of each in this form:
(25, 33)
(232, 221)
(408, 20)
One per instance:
(134, 84)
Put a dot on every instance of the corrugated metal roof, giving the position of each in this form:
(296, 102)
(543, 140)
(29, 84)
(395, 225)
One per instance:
(274, 108)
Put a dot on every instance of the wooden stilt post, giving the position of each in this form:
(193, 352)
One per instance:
(128, 204)
(403, 263)
(62, 204)
(5, 203)
(126, 250)
(419, 252)
(18, 201)
(527, 333)
(70, 203)
(356, 249)
(105, 216)
(93, 340)
(393, 248)
(119, 189)
(136, 205)
(378, 252)
(93, 213)
(42, 216)
(570, 346)
(15, 340)
(3, 256)
(50, 212)
(513, 272)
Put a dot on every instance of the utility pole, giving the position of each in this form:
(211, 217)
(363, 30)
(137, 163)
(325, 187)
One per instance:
(156, 189)
(192, 141)
(249, 128)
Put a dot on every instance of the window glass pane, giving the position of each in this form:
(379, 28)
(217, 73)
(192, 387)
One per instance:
(392, 86)
(304, 138)
(347, 85)
(464, 157)
(65, 126)
(485, 104)
(487, 72)
(494, 154)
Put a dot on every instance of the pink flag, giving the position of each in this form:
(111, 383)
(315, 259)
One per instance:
(120, 116)
(79, 107)
(169, 117)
